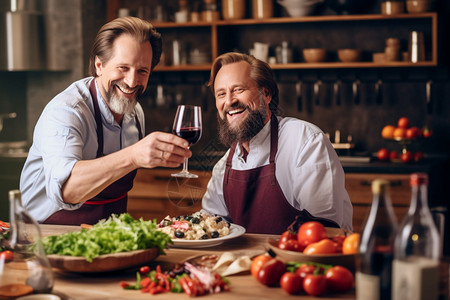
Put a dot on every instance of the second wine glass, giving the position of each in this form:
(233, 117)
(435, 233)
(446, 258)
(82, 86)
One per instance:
(188, 125)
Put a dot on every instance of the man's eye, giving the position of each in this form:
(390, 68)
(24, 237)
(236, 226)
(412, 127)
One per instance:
(238, 90)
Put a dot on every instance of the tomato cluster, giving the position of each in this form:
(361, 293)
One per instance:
(312, 238)
(312, 278)
(406, 157)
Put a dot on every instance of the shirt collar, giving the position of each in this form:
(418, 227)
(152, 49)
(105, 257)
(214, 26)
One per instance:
(256, 141)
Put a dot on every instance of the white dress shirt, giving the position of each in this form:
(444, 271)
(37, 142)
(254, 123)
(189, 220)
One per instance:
(64, 134)
(308, 171)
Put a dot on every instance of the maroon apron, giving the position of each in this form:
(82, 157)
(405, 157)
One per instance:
(254, 198)
(113, 199)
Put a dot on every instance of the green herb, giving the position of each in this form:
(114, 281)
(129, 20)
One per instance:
(118, 233)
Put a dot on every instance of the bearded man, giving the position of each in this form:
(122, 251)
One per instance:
(277, 170)
(90, 139)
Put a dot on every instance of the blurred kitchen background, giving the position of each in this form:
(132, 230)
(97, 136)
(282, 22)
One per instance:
(356, 101)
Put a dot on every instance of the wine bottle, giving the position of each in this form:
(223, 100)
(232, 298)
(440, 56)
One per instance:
(417, 248)
(376, 250)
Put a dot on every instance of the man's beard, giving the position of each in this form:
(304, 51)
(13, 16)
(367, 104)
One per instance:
(119, 104)
(246, 130)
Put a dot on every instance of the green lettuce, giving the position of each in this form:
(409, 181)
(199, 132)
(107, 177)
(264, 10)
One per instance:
(118, 233)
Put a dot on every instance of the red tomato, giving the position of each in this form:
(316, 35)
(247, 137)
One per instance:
(6, 255)
(257, 264)
(271, 272)
(324, 246)
(304, 270)
(339, 279)
(311, 232)
(3, 224)
(427, 132)
(291, 283)
(144, 269)
(291, 245)
(393, 155)
(412, 133)
(403, 122)
(407, 157)
(338, 241)
(315, 285)
(383, 154)
(288, 235)
(418, 156)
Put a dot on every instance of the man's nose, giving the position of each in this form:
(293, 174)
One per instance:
(131, 79)
(230, 99)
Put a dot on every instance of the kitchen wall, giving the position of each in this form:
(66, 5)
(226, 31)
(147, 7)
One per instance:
(73, 24)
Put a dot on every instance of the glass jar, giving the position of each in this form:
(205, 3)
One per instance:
(27, 270)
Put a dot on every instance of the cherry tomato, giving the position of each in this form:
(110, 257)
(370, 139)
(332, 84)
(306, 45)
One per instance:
(6, 255)
(315, 285)
(351, 244)
(427, 132)
(418, 156)
(412, 132)
(339, 279)
(271, 272)
(324, 246)
(383, 154)
(393, 155)
(144, 269)
(257, 264)
(291, 283)
(311, 232)
(304, 270)
(288, 235)
(291, 245)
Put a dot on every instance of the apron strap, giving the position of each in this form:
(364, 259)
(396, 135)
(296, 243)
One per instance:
(98, 118)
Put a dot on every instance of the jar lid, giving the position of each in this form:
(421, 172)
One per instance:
(418, 179)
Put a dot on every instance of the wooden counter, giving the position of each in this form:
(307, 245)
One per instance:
(106, 285)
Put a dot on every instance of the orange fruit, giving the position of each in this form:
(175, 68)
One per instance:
(257, 264)
(351, 244)
(324, 246)
(388, 132)
(399, 133)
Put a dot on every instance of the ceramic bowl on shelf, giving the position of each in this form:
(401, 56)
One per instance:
(349, 55)
(300, 8)
(419, 6)
(314, 55)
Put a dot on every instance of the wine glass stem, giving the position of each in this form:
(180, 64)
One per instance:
(185, 165)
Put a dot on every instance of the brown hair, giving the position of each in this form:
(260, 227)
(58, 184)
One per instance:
(260, 72)
(141, 30)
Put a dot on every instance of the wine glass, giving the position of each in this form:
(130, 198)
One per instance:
(188, 125)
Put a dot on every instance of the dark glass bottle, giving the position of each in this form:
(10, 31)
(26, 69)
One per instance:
(373, 276)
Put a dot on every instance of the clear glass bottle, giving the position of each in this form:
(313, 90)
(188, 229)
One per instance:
(373, 276)
(417, 247)
(28, 270)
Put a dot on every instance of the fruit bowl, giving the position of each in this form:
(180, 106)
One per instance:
(345, 260)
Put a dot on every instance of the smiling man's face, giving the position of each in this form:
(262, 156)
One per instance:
(242, 107)
(124, 77)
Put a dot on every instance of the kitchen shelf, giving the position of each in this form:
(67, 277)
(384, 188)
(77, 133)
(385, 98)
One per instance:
(218, 35)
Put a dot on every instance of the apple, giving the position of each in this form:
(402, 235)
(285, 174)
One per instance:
(383, 154)
(403, 122)
(407, 156)
(412, 132)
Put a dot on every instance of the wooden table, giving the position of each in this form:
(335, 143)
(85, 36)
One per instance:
(106, 285)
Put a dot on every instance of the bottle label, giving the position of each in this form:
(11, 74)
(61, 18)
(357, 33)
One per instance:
(367, 286)
(415, 278)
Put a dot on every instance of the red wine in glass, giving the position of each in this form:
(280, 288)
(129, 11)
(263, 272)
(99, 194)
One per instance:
(188, 125)
(190, 134)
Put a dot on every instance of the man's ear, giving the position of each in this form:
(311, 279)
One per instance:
(266, 95)
(98, 66)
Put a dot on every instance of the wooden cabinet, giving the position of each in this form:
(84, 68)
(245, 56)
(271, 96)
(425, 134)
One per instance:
(358, 186)
(156, 194)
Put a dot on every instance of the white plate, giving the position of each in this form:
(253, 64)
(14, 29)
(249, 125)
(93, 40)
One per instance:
(235, 231)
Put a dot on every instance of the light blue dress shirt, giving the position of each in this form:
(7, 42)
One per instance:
(64, 134)
(307, 168)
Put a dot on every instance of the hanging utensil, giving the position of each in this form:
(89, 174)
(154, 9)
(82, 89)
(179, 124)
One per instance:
(336, 92)
(298, 91)
(355, 89)
(317, 85)
(379, 92)
(428, 96)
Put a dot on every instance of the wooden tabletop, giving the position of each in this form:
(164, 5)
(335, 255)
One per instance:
(106, 285)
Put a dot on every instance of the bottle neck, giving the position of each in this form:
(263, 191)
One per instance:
(419, 199)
